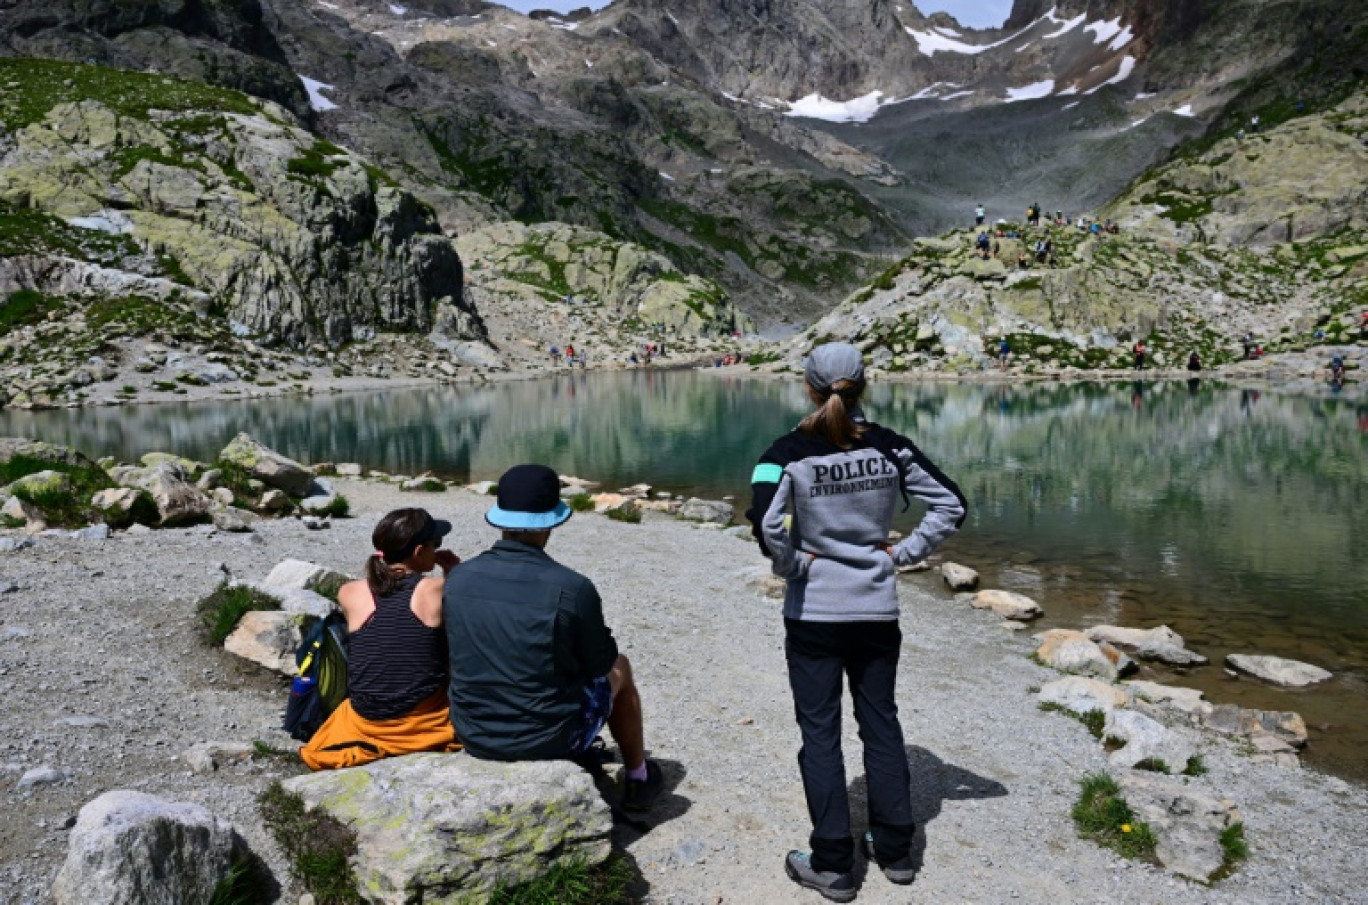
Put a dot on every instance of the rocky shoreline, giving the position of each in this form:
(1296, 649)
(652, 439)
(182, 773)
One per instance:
(107, 688)
(1300, 373)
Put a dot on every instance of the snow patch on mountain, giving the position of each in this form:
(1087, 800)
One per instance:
(1030, 92)
(315, 90)
(856, 110)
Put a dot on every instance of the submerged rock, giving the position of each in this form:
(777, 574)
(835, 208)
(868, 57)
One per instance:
(1278, 670)
(1007, 604)
(449, 827)
(958, 577)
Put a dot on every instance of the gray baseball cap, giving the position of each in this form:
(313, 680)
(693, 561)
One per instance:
(832, 362)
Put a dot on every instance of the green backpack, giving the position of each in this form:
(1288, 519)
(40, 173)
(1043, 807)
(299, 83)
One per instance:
(321, 686)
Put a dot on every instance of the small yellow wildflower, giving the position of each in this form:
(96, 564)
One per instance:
(1125, 827)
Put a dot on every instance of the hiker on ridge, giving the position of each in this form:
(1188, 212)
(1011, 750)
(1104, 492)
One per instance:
(396, 651)
(822, 507)
(979, 215)
(535, 672)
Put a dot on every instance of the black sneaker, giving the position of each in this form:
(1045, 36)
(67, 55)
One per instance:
(900, 872)
(640, 794)
(833, 886)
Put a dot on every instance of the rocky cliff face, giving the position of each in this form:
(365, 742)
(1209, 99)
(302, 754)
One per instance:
(290, 237)
(1265, 235)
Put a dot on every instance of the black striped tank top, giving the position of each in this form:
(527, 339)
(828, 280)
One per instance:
(394, 661)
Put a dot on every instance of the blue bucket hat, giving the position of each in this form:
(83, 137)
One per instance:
(529, 500)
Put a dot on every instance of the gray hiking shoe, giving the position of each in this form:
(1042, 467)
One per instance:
(834, 886)
(900, 872)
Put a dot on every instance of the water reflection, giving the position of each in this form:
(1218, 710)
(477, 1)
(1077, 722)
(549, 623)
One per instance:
(1232, 515)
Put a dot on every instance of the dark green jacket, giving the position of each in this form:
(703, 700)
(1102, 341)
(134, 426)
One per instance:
(525, 635)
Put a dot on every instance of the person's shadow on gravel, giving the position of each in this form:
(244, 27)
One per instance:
(934, 782)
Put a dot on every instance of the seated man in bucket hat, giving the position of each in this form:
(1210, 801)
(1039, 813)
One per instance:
(535, 673)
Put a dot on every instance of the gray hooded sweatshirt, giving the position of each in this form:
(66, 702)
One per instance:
(821, 512)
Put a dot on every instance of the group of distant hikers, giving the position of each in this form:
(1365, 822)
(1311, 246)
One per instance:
(987, 244)
(507, 655)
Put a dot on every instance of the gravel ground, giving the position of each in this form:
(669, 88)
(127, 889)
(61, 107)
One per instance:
(103, 632)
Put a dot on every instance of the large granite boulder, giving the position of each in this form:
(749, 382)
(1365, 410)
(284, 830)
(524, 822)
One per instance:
(446, 828)
(301, 575)
(1081, 694)
(1070, 651)
(713, 512)
(178, 501)
(1187, 823)
(122, 506)
(268, 466)
(268, 638)
(16, 447)
(1147, 742)
(1286, 726)
(1161, 643)
(131, 848)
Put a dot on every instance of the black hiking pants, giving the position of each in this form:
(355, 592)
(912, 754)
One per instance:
(820, 655)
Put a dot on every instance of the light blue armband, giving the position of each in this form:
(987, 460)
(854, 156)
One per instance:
(767, 473)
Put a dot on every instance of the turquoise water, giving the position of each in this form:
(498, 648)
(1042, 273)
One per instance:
(1236, 517)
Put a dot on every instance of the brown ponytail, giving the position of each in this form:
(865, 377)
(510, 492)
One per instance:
(393, 540)
(832, 419)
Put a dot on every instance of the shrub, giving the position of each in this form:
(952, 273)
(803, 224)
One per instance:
(427, 485)
(340, 507)
(1196, 766)
(630, 516)
(574, 883)
(63, 508)
(220, 612)
(581, 502)
(317, 846)
(24, 307)
(234, 477)
(1102, 815)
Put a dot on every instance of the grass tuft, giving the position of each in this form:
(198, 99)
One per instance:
(1233, 843)
(1094, 720)
(1154, 765)
(243, 885)
(574, 883)
(1196, 766)
(318, 846)
(630, 516)
(581, 502)
(340, 507)
(427, 485)
(1102, 815)
(220, 612)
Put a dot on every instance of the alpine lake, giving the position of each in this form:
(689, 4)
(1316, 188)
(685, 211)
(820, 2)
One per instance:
(1237, 517)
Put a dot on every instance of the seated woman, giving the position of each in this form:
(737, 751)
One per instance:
(396, 651)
